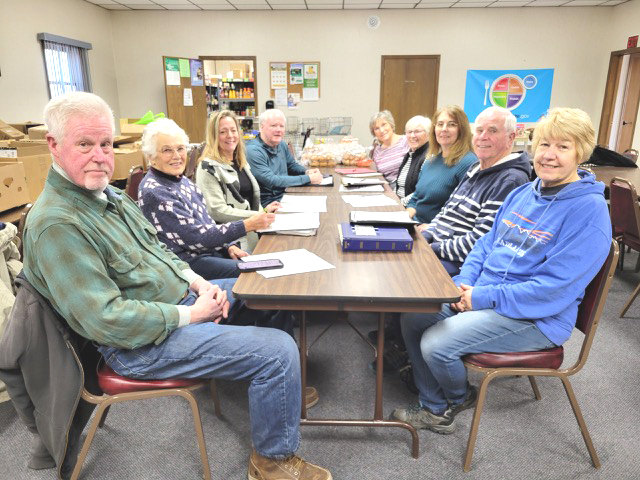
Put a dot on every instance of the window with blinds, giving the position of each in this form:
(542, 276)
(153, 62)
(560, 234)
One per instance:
(67, 64)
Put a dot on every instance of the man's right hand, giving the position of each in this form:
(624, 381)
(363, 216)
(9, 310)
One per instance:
(211, 306)
(411, 211)
(259, 221)
(315, 178)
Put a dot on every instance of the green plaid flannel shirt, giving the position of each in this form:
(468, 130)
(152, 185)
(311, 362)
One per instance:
(101, 265)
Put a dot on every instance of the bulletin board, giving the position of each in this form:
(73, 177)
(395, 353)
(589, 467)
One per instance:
(186, 96)
(297, 78)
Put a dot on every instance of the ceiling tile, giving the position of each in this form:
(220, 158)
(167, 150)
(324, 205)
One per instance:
(288, 7)
(361, 6)
(137, 6)
(115, 7)
(471, 5)
(436, 4)
(182, 6)
(547, 3)
(225, 6)
(251, 7)
(320, 6)
(507, 4)
(386, 4)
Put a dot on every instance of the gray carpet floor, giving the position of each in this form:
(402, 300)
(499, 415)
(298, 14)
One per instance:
(519, 438)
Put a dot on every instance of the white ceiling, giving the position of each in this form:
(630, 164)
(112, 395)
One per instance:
(338, 4)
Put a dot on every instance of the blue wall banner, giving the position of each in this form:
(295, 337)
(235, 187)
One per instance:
(527, 93)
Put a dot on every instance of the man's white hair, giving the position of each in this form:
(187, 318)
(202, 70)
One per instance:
(509, 118)
(270, 113)
(60, 110)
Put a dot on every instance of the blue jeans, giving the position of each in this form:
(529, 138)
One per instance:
(214, 265)
(269, 358)
(437, 341)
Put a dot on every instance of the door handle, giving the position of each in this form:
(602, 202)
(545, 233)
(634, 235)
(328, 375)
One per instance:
(626, 123)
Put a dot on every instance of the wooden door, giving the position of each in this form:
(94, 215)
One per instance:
(629, 105)
(409, 86)
(192, 119)
(630, 100)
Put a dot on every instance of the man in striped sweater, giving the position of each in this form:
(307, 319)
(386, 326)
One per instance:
(471, 208)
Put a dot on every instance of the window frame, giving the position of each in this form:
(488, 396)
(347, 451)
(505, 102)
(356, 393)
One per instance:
(83, 48)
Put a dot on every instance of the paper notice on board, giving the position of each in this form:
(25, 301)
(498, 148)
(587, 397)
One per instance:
(172, 71)
(187, 98)
(295, 74)
(293, 101)
(281, 97)
(278, 75)
(183, 64)
(310, 94)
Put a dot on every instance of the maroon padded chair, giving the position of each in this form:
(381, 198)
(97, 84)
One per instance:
(625, 222)
(136, 174)
(546, 362)
(119, 389)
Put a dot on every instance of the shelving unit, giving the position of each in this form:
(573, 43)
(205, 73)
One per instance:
(234, 94)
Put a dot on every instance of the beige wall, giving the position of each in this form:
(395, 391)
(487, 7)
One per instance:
(23, 87)
(567, 39)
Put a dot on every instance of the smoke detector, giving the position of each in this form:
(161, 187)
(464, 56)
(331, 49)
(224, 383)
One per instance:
(373, 22)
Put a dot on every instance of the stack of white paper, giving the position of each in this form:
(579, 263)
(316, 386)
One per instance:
(303, 203)
(294, 221)
(366, 188)
(369, 200)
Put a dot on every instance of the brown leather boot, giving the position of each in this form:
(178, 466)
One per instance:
(311, 397)
(292, 468)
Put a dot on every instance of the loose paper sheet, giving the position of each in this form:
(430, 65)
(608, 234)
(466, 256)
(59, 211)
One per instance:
(294, 261)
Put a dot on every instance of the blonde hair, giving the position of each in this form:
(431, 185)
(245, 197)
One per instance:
(568, 124)
(462, 145)
(212, 147)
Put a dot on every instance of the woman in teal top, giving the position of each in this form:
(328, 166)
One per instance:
(449, 157)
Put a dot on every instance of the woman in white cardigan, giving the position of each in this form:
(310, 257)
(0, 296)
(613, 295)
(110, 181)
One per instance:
(230, 190)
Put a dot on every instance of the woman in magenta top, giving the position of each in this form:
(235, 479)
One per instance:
(389, 148)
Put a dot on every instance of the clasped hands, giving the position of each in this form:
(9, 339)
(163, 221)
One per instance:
(212, 303)
(464, 304)
(315, 176)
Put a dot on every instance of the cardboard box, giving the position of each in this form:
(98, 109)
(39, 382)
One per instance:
(26, 142)
(25, 126)
(36, 161)
(38, 133)
(125, 160)
(13, 186)
(36, 169)
(9, 133)
(19, 150)
(129, 128)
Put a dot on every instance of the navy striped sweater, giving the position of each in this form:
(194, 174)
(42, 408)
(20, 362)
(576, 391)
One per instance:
(472, 207)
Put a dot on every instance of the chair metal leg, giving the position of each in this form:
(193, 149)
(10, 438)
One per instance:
(213, 387)
(581, 423)
(534, 385)
(197, 423)
(475, 423)
(90, 435)
(630, 301)
(104, 417)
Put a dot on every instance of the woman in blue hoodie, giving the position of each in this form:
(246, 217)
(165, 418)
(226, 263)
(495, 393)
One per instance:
(522, 283)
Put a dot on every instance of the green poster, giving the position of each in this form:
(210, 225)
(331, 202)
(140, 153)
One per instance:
(171, 64)
(310, 75)
(185, 71)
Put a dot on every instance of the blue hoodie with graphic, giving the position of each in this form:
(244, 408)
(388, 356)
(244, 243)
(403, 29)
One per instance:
(541, 254)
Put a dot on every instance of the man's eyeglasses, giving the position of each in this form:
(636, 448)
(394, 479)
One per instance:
(167, 151)
(408, 133)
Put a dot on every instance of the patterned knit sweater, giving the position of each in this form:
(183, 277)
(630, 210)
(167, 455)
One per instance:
(176, 208)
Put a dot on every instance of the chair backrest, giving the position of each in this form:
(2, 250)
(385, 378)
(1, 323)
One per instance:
(631, 154)
(192, 160)
(625, 210)
(21, 224)
(136, 174)
(590, 308)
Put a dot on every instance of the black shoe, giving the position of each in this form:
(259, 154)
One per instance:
(421, 418)
(469, 402)
(388, 369)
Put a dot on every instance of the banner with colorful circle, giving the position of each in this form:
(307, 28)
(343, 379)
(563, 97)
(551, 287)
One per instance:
(527, 93)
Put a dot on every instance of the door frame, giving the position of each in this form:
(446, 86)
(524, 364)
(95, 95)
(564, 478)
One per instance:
(611, 92)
